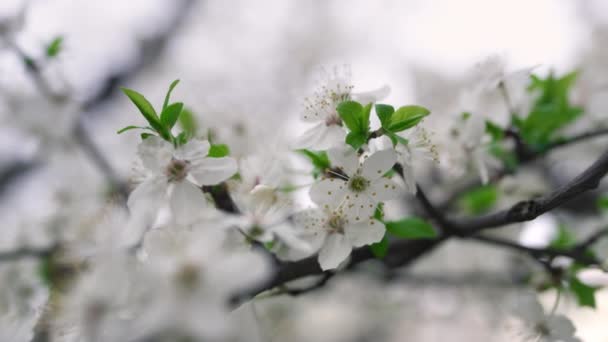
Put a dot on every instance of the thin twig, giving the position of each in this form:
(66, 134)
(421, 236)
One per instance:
(573, 253)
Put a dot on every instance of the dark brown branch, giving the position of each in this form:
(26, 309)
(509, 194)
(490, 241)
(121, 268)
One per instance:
(27, 252)
(325, 277)
(524, 156)
(578, 255)
(529, 210)
(592, 239)
(402, 252)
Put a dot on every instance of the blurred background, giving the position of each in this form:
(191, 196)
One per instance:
(245, 68)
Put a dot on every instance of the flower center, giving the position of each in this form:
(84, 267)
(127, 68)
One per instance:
(358, 184)
(336, 223)
(542, 329)
(188, 277)
(177, 170)
(333, 119)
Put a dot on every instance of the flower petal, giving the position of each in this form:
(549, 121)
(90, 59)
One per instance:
(328, 193)
(379, 163)
(193, 150)
(383, 189)
(372, 95)
(211, 171)
(335, 250)
(155, 153)
(561, 327)
(345, 158)
(358, 207)
(311, 136)
(408, 176)
(364, 233)
(148, 195)
(334, 136)
(187, 202)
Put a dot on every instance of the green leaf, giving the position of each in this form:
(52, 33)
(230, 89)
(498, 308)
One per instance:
(551, 110)
(350, 111)
(396, 139)
(495, 131)
(585, 295)
(219, 151)
(407, 117)
(168, 96)
(128, 128)
(364, 118)
(602, 202)
(319, 160)
(411, 228)
(188, 122)
(508, 157)
(379, 249)
(170, 114)
(145, 136)
(379, 212)
(46, 268)
(53, 49)
(181, 139)
(384, 113)
(147, 110)
(356, 139)
(480, 200)
(565, 239)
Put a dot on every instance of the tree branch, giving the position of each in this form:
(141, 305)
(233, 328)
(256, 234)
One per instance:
(578, 255)
(529, 210)
(402, 252)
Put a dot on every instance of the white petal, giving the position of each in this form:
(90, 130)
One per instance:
(335, 250)
(193, 150)
(210, 171)
(373, 95)
(539, 232)
(187, 202)
(311, 136)
(560, 326)
(364, 233)
(481, 166)
(344, 157)
(155, 153)
(383, 189)
(328, 193)
(358, 207)
(289, 236)
(148, 195)
(379, 163)
(408, 173)
(593, 277)
(311, 227)
(334, 136)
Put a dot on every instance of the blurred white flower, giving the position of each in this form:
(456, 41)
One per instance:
(539, 326)
(593, 277)
(334, 87)
(361, 186)
(419, 147)
(178, 173)
(335, 234)
(263, 216)
(196, 275)
(540, 232)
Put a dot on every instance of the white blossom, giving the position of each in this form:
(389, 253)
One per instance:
(335, 235)
(360, 187)
(334, 87)
(177, 173)
(539, 326)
